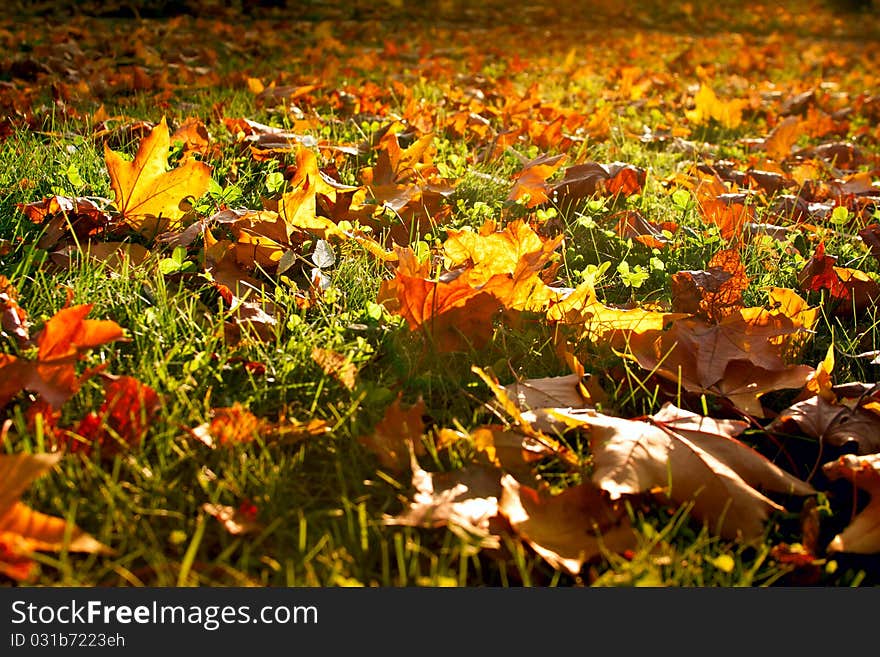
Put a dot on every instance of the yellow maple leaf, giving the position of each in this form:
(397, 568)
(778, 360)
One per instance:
(709, 107)
(148, 194)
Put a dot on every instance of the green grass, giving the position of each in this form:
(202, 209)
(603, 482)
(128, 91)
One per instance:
(321, 500)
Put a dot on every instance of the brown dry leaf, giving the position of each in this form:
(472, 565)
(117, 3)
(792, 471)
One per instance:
(523, 422)
(870, 235)
(862, 535)
(512, 451)
(632, 225)
(13, 318)
(237, 521)
(336, 365)
(65, 216)
(398, 431)
(115, 256)
(549, 392)
(464, 499)
(715, 292)
(691, 459)
(833, 415)
(147, 194)
(568, 529)
(740, 358)
(24, 530)
(582, 181)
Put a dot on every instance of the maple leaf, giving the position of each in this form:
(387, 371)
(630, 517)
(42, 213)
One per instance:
(509, 263)
(531, 181)
(464, 500)
(819, 274)
(597, 322)
(691, 459)
(454, 313)
(231, 425)
(854, 287)
(862, 535)
(782, 137)
(632, 225)
(568, 529)
(399, 430)
(82, 218)
(708, 107)
(147, 194)
(549, 392)
(491, 251)
(582, 181)
(127, 411)
(24, 530)
(740, 358)
(336, 365)
(712, 293)
(727, 211)
(836, 415)
(545, 445)
(62, 341)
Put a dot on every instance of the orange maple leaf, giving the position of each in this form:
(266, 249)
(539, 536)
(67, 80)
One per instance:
(24, 530)
(531, 181)
(63, 340)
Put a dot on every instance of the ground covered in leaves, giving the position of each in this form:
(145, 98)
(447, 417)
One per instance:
(383, 296)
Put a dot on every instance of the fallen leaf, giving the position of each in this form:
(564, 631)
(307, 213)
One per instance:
(451, 312)
(147, 194)
(531, 181)
(712, 293)
(13, 318)
(336, 365)
(465, 499)
(597, 322)
(782, 137)
(834, 422)
(569, 529)
(583, 181)
(121, 422)
(742, 357)
(62, 341)
(708, 107)
(24, 530)
(399, 430)
(862, 535)
(548, 392)
(691, 459)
